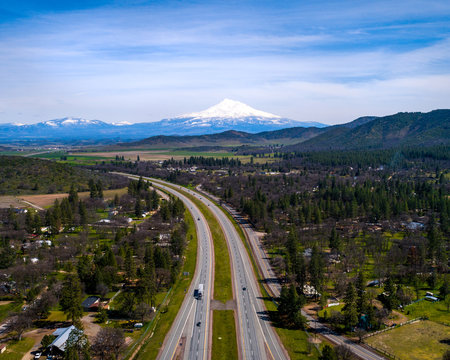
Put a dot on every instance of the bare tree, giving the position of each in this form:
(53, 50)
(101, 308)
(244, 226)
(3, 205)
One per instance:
(343, 352)
(142, 310)
(19, 323)
(108, 343)
(360, 333)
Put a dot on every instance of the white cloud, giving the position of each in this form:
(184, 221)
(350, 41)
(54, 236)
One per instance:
(146, 64)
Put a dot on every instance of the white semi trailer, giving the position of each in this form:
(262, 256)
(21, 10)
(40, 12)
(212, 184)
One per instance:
(200, 291)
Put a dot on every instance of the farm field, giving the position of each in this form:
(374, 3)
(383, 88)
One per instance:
(90, 158)
(423, 340)
(48, 199)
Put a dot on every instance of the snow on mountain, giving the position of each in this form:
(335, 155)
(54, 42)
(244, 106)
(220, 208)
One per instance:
(71, 121)
(122, 123)
(230, 109)
(226, 115)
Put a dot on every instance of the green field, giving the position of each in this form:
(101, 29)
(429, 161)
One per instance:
(436, 311)
(424, 340)
(6, 309)
(17, 349)
(224, 345)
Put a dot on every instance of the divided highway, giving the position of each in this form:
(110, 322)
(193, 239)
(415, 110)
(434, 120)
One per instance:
(258, 339)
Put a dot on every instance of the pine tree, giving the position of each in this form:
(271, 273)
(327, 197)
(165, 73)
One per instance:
(335, 242)
(349, 309)
(391, 294)
(292, 250)
(130, 267)
(316, 269)
(138, 208)
(361, 302)
(71, 298)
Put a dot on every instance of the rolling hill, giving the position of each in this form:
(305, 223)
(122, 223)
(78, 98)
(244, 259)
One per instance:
(413, 129)
(368, 132)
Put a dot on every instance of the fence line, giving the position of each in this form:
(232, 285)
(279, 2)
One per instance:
(388, 354)
(394, 327)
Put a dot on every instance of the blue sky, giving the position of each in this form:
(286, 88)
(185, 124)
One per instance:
(327, 61)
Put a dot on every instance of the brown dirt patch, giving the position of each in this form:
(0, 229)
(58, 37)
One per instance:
(7, 201)
(219, 305)
(90, 327)
(48, 199)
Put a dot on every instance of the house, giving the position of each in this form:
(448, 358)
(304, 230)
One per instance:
(62, 335)
(310, 291)
(2, 348)
(91, 303)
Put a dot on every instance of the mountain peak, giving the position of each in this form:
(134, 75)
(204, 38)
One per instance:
(230, 109)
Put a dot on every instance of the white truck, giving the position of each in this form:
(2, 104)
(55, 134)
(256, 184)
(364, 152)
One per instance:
(200, 291)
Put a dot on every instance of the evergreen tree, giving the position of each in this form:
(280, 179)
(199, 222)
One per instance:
(328, 353)
(350, 308)
(334, 242)
(71, 298)
(92, 189)
(391, 301)
(130, 267)
(361, 302)
(316, 269)
(300, 272)
(138, 208)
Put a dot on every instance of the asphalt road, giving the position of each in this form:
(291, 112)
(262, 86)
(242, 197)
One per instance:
(271, 280)
(258, 339)
(193, 319)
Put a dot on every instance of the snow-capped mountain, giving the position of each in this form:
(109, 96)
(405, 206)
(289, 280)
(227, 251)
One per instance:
(71, 121)
(229, 109)
(226, 115)
(230, 115)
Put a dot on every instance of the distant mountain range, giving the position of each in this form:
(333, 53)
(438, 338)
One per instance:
(232, 123)
(227, 115)
(370, 132)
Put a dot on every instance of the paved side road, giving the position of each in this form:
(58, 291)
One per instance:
(271, 280)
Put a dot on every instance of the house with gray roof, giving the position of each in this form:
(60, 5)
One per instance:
(62, 335)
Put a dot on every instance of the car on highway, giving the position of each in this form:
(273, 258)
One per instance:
(244, 288)
(199, 323)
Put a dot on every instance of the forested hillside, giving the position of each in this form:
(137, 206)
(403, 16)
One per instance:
(412, 129)
(21, 175)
